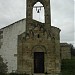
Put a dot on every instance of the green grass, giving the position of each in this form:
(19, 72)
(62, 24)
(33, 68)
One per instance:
(68, 67)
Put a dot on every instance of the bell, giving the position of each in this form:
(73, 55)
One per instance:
(38, 11)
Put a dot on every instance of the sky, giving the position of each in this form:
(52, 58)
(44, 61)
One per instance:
(62, 16)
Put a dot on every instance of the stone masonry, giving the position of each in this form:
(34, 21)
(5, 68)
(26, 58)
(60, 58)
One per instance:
(65, 51)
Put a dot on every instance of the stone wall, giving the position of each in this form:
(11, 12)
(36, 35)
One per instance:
(65, 51)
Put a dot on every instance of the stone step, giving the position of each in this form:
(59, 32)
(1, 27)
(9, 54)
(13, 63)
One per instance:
(45, 74)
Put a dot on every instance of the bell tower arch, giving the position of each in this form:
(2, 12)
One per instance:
(29, 12)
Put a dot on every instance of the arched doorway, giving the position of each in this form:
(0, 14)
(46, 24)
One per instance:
(38, 62)
(39, 55)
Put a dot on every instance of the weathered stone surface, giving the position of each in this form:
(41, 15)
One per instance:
(65, 51)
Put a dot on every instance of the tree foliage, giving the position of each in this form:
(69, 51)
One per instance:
(3, 66)
(68, 67)
(72, 50)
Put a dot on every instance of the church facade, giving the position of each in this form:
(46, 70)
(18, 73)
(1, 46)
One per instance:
(39, 47)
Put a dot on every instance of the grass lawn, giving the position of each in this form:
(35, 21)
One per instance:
(68, 67)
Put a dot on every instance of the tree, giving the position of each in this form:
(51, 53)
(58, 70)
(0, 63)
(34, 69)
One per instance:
(72, 50)
(68, 67)
(3, 66)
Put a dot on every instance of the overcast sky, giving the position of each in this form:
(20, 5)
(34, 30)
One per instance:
(62, 15)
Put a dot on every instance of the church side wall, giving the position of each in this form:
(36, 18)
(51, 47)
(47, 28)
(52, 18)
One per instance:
(66, 51)
(56, 35)
(9, 45)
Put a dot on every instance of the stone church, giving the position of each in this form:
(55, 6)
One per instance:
(37, 47)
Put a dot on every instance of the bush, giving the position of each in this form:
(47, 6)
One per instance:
(68, 67)
(3, 66)
(2, 73)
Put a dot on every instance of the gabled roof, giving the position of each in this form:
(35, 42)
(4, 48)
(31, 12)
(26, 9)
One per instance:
(13, 23)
